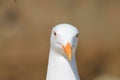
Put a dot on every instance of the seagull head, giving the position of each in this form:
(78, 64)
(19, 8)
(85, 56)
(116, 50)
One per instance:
(64, 39)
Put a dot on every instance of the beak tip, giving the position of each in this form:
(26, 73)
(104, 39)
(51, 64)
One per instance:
(69, 59)
(68, 51)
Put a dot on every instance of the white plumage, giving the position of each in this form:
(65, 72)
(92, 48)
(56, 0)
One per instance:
(62, 62)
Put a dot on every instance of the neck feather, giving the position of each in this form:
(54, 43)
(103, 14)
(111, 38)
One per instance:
(59, 68)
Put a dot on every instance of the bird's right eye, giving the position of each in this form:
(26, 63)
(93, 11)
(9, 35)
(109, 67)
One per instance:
(55, 34)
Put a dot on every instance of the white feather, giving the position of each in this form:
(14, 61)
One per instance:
(59, 67)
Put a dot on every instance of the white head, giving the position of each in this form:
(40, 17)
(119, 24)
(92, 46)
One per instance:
(64, 38)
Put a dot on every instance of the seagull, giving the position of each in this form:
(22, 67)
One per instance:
(62, 62)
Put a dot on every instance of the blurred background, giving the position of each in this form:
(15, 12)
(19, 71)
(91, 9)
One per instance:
(25, 27)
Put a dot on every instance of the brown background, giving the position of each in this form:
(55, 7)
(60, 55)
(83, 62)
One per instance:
(25, 27)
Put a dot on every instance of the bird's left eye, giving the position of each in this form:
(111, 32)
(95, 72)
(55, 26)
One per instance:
(77, 35)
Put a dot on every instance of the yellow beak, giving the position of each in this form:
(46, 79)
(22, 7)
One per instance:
(68, 50)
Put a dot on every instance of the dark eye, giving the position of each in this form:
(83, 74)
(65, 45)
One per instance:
(77, 35)
(55, 34)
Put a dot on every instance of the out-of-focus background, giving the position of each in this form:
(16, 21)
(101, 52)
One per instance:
(25, 27)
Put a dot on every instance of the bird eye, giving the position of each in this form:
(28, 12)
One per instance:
(77, 35)
(55, 34)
